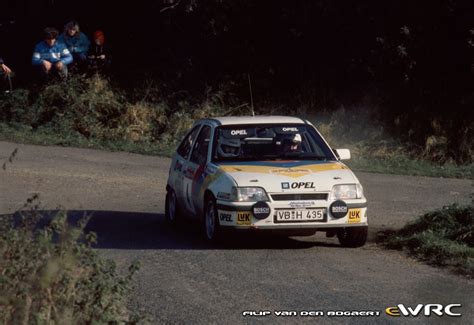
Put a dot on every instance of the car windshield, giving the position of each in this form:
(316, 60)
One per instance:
(269, 142)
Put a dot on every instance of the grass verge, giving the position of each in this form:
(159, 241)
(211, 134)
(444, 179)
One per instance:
(26, 135)
(443, 237)
(401, 165)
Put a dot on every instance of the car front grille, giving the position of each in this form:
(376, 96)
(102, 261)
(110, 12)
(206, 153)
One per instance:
(299, 197)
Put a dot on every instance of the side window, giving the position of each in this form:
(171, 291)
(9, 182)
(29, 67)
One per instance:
(185, 147)
(199, 155)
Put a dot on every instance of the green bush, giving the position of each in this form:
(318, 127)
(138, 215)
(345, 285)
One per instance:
(441, 237)
(90, 112)
(49, 274)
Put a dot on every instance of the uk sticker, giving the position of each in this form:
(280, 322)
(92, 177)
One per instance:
(243, 218)
(354, 215)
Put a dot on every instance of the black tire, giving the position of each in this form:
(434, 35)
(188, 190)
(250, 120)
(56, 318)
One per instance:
(211, 227)
(172, 213)
(353, 236)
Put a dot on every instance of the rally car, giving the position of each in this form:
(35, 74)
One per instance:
(273, 173)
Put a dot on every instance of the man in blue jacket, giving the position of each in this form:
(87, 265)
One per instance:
(76, 42)
(51, 56)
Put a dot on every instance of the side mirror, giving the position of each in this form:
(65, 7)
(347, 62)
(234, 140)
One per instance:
(344, 154)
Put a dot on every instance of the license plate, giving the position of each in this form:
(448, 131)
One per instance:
(300, 215)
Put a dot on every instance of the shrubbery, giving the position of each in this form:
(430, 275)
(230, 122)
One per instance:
(49, 274)
(91, 108)
(91, 112)
(441, 237)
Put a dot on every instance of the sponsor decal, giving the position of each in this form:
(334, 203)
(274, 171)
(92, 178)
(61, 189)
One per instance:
(261, 210)
(227, 217)
(293, 169)
(302, 204)
(238, 133)
(354, 215)
(287, 130)
(425, 310)
(178, 166)
(243, 218)
(291, 172)
(211, 169)
(297, 185)
(338, 209)
(300, 185)
(223, 196)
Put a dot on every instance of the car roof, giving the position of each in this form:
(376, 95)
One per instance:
(259, 119)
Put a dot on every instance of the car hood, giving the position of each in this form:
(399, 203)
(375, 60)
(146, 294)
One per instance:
(281, 176)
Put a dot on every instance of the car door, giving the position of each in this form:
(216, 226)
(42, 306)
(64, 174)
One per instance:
(195, 171)
(179, 163)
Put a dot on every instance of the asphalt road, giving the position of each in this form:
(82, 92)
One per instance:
(184, 280)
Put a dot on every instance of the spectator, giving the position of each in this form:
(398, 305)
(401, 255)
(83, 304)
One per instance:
(99, 56)
(4, 69)
(50, 56)
(6, 72)
(76, 42)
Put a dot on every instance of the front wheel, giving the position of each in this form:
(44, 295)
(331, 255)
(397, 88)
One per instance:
(211, 222)
(353, 236)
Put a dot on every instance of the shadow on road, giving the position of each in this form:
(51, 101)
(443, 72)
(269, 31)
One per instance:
(138, 230)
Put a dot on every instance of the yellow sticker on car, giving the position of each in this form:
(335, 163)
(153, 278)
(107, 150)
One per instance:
(354, 215)
(244, 218)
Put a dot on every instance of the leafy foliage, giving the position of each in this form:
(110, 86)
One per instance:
(49, 274)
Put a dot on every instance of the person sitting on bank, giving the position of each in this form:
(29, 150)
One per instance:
(4, 69)
(99, 56)
(76, 42)
(5, 75)
(51, 56)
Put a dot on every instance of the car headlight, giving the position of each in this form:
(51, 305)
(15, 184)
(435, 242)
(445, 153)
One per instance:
(248, 194)
(347, 192)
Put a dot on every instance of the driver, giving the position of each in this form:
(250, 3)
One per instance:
(228, 148)
(290, 143)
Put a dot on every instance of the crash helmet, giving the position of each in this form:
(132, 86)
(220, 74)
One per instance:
(228, 148)
(289, 143)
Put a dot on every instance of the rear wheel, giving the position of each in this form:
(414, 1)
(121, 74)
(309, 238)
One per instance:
(211, 222)
(353, 236)
(171, 207)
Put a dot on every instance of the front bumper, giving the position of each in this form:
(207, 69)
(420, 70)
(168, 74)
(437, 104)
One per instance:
(238, 215)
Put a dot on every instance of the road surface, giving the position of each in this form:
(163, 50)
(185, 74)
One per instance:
(184, 280)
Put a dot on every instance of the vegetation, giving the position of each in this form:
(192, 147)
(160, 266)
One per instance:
(442, 237)
(90, 112)
(49, 273)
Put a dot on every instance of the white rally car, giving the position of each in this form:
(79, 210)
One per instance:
(265, 173)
